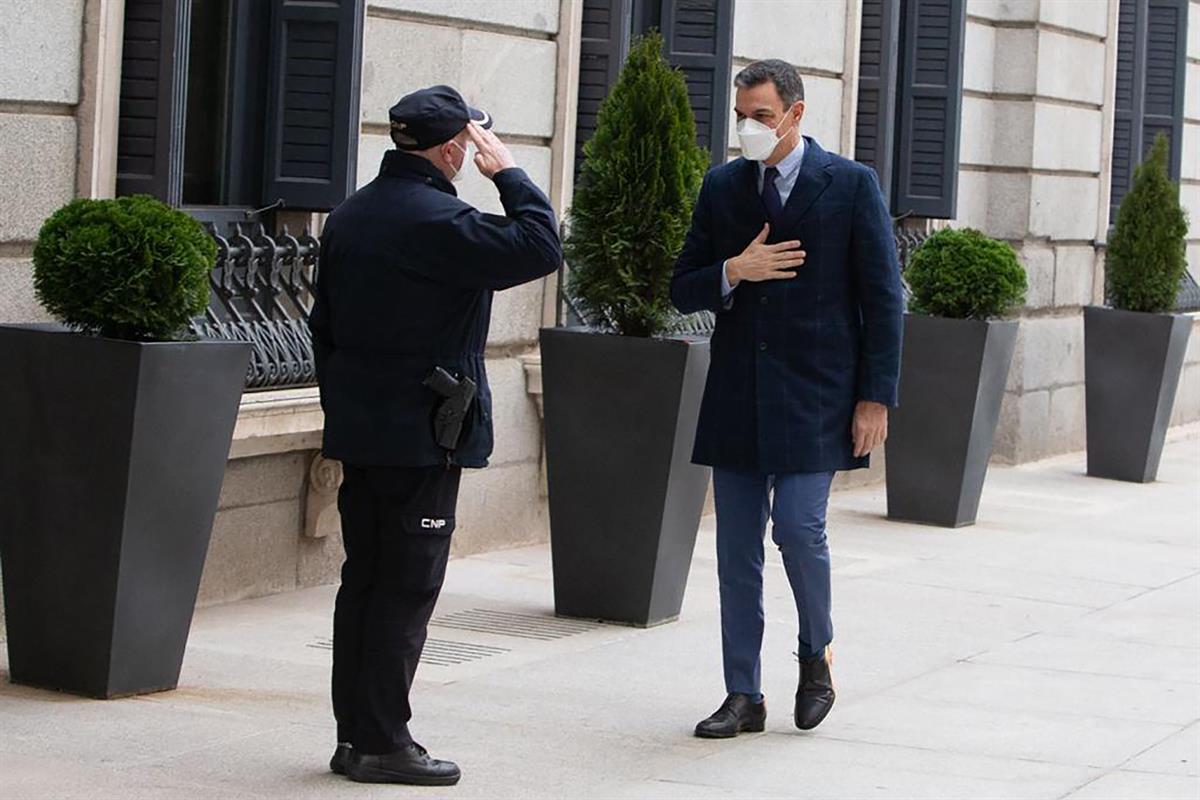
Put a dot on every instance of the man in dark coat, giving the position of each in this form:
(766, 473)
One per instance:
(405, 287)
(792, 248)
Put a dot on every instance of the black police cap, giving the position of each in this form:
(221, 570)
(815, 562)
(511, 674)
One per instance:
(428, 117)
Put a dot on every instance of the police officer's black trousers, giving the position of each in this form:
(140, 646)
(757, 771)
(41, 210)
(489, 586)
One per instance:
(396, 526)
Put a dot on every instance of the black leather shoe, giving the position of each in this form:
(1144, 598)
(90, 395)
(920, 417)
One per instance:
(337, 764)
(737, 714)
(411, 765)
(815, 695)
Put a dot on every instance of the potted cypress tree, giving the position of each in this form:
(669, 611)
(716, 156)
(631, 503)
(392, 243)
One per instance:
(1133, 352)
(952, 375)
(115, 449)
(622, 395)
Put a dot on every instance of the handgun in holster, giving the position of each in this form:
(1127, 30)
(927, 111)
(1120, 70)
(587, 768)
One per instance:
(457, 395)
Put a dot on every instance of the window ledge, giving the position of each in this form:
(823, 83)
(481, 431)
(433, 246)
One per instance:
(281, 421)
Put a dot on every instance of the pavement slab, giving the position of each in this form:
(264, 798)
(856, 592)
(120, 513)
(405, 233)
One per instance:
(1050, 651)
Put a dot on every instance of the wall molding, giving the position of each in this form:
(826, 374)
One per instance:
(1035, 25)
(37, 108)
(1041, 171)
(462, 23)
(1018, 97)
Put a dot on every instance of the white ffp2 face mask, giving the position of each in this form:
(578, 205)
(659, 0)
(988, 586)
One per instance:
(757, 140)
(468, 158)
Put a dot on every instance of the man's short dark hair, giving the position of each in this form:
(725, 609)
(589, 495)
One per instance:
(786, 78)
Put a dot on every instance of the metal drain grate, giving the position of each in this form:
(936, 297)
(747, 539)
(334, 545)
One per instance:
(439, 652)
(448, 653)
(510, 623)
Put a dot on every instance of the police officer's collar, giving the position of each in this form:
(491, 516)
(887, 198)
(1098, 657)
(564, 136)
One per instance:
(399, 164)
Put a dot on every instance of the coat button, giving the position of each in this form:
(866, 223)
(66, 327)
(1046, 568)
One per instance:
(762, 301)
(762, 346)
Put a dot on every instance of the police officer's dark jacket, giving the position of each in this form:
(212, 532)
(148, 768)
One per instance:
(405, 284)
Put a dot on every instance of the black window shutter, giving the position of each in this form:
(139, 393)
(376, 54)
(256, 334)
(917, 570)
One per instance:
(874, 140)
(603, 47)
(698, 38)
(152, 101)
(930, 108)
(313, 102)
(1151, 64)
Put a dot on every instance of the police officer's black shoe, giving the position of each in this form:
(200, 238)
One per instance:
(736, 715)
(411, 765)
(341, 755)
(815, 695)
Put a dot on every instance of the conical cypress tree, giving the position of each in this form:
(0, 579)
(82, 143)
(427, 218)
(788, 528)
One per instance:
(1147, 252)
(641, 173)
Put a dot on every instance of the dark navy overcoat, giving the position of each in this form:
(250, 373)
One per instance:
(405, 284)
(791, 358)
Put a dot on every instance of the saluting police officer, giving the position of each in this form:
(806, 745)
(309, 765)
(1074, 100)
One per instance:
(403, 304)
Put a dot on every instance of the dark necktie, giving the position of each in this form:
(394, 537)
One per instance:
(770, 197)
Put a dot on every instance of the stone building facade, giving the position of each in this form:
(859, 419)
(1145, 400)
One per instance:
(1035, 145)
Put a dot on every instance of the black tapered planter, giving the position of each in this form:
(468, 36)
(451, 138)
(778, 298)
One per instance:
(110, 473)
(625, 499)
(1132, 363)
(952, 378)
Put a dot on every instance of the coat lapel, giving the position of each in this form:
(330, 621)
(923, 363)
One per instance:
(813, 180)
(746, 188)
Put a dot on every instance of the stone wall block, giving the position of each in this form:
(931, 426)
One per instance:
(1016, 66)
(807, 33)
(512, 78)
(517, 315)
(1024, 425)
(1067, 137)
(1190, 166)
(17, 301)
(319, 561)
(822, 112)
(1193, 45)
(1074, 275)
(979, 70)
(533, 15)
(253, 552)
(1192, 354)
(996, 132)
(1064, 207)
(1085, 16)
(1004, 10)
(500, 507)
(37, 171)
(1070, 68)
(1191, 97)
(42, 46)
(996, 203)
(1038, 259)
(1068, 431)
(1053, 352)
(518, 427)
(1187, 398)
(1189, 198)
(401, 57)
(265, 479)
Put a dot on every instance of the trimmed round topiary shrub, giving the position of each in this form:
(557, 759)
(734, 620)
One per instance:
(129, 268)
(964, 274)
(633, 204)
(1147, 253)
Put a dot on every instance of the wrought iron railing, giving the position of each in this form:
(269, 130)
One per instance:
(702, 323)
(1188, 298)
(262, 293)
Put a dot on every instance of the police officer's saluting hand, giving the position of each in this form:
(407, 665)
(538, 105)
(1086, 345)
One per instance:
(403, 302)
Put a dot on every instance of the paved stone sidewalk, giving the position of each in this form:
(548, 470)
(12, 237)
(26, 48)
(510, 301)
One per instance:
(1050, 651)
